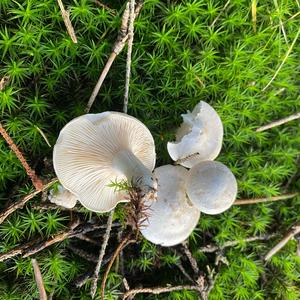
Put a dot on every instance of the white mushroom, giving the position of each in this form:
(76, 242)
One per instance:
(172, 217)
(62, 197)
(211, 187)
(199, 137)
(94, 150)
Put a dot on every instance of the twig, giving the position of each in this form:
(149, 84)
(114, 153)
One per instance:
(289, 235)
(191, 259)
(219, 15)
(184, 272)
(126, 241)
(279, 122)
(86, 238)
(49, 205)
(117, 48)
(213, 248)
(38, 184)
(13, 207)
(159, 290)
(266, 199)
(39, 279)
(181, 160)
(100, 4)
(101, 254)
(31, 248)
(129, 52)
(82, 279)
(66, 17)
(283, 61)
(85, 255)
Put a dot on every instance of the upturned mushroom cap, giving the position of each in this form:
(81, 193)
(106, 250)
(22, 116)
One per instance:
(85, 152)
(172, 217)
(199, 137)
(62, 197)
(211, 187)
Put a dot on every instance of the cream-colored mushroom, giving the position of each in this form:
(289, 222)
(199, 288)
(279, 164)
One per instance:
(172, 217)
(211, 187)
(199, 137)
(94, 150)
(62, 197)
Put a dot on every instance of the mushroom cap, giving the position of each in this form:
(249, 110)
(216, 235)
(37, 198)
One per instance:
(199, 136)
(211, 187)
(172, 217)
(84, 152)
(62, 197)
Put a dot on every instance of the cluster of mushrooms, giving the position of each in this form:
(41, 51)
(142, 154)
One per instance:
(94, 150)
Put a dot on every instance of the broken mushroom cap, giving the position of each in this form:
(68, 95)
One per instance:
(62, 197)
(94, 150)
(172, 217)
(211, 187)
(199, 137)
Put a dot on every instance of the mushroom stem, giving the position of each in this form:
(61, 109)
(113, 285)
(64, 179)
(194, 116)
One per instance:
(135, 171)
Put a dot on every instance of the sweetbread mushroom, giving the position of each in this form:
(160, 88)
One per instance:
(211, 187)
(172, 217)
(62, 197)
(199, 137)
(94, 150)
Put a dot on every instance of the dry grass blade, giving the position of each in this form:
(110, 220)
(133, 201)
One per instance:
(281, 23)
(283, 61)
(254, 11)
(279, 122)
(39, 279)
(219, 15)
(66, 17)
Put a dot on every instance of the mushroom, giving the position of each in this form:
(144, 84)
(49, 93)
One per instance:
(211, 187)
(199, 137)
(62, 197)
(94, 150)
(172, 217)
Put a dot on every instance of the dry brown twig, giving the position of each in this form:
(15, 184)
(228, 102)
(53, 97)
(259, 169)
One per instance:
(279, 122)
(100, 4)
(19, 204)
(265, 199)
(66, 17)
(191, 259)
(36, 181)
(288, 236)
(39, 279)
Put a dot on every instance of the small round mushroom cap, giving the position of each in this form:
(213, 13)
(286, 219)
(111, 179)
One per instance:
(85, 152)
(172, 217)
(211, 187)
(199, 137)
(62, 197)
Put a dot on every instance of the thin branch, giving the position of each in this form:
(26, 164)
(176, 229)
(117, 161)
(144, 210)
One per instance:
(37, 182)
(213, 248)
(191, 259)
(39, 279)
(159, 290)
(117, 48)
(289, 235)
(129, 52)
(84, 254)
(66, 17)
(102, 5)
(19, 204)
(34, 247)
(184, 272)
(126, 241)
(265, 199)
(101, 254)
(219, 15)
(184, 159)
(283, 61)
(279, 122)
